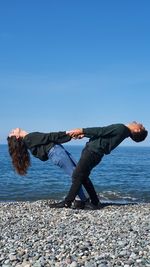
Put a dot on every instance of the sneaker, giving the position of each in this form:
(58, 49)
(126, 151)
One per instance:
(60, 205)
(79, 204)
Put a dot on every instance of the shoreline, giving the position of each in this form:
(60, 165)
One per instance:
(112, 201)
(33, 235)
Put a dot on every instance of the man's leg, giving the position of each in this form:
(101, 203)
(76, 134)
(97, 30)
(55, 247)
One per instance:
(91, 191)
(81, 173)
(86, 183)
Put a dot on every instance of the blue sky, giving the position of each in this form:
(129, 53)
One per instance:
(67, 64)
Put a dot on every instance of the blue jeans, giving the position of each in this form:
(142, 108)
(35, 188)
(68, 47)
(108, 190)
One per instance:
(63, 159)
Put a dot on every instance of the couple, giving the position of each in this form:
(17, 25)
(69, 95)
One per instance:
(102, 140)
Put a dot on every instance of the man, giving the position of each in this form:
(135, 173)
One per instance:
(102, 141)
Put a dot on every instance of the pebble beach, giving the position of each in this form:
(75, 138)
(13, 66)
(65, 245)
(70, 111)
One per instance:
(34, 235)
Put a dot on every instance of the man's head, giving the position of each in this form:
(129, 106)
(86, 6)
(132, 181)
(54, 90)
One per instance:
(138, 132)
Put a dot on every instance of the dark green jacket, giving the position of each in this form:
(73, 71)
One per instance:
(40, 143)
(104, 139)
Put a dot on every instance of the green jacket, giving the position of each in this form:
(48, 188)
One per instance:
(40, 143)
(104, 139)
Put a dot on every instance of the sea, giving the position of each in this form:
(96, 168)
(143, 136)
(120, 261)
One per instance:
(121, 177)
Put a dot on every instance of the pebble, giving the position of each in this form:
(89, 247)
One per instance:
(33, 235)
(74, 264)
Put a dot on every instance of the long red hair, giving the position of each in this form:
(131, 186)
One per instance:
(19, 154)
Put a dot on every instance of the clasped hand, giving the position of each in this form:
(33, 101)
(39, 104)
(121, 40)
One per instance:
(76, 133)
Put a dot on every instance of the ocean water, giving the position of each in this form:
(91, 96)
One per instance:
(121, 177)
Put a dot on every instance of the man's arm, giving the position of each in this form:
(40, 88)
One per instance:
(85, 132)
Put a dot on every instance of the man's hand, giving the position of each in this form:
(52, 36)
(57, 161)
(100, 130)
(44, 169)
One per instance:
(76, 133)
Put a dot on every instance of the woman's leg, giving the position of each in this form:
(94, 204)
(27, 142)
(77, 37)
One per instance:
(62, 158)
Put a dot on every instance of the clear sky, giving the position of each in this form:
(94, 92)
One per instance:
(67, 64)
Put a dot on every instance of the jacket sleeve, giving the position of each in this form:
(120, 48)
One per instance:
(110, 130)
(36, 138)
(93, 131)
(61, 138)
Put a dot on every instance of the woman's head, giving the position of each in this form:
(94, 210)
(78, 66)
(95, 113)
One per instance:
(18, 132)
(19, 153)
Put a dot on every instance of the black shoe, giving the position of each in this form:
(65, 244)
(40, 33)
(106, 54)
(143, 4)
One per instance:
(60, 205)
(92, 206)
(79, 204)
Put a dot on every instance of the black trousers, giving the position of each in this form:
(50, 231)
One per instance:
(87, 162)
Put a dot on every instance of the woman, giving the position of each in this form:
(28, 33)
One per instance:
(45, 146)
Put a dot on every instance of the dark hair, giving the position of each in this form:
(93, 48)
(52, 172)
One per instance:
(19, 154)
(139, 136)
